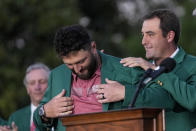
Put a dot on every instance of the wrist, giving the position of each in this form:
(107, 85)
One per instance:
(42, 114)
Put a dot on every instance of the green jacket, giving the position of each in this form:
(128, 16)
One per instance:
(21, 118)
(179, 112)
(181, 84)
(61, 77)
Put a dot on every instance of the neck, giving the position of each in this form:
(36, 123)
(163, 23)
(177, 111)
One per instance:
(98, 58)
(170, 51)
(35, 104)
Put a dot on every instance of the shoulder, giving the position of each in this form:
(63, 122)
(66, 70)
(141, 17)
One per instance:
(111, 61)
(115, 63)
(112, 64)
(190, 58)
(189, 62)
(22, 111)
(61, 69)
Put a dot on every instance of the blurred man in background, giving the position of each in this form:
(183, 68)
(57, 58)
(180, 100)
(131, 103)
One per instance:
(36, 83)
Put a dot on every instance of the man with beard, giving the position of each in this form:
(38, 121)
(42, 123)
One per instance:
(72, 85)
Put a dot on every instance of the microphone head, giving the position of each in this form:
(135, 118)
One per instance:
(168, 64)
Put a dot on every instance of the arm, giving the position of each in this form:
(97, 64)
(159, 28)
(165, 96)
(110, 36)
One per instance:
(184, 92)
(137, 62)
(54, 107)
(150, 96)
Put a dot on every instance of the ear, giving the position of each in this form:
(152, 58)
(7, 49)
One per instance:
(93, 46)
(170, 36)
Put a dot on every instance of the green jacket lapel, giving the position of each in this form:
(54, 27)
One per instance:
(180, 55)
(180, 69)
(106, 71)
(67, 76)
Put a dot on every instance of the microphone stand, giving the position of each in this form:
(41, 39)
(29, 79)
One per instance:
(140, 86)
(166, 66)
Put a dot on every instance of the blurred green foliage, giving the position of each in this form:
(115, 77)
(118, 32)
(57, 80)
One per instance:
(27, 29)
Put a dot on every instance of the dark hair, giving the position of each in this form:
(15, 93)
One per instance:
(71, 38)
(168, 22)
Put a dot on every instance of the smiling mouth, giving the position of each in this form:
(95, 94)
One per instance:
(148, 48)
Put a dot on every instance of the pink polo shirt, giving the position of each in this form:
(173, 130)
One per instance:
(84, 97)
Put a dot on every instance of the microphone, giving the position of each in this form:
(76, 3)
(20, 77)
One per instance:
(147, 73)
(166, 66)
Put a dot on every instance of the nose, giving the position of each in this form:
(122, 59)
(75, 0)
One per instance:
(38, 86)
(77, 68)
(144, 40)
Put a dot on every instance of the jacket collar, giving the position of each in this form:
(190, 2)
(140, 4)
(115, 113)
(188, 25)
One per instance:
(180, 55)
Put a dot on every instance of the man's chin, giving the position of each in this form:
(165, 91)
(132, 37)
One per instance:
(84, 77)
(149, 57)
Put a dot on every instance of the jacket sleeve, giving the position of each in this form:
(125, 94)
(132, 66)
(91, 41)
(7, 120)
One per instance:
(150, 96)
(183, 91)
(47, 97)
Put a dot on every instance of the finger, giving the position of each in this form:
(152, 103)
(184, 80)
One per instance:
(13, 124)
(65, 113)
(103, 101)
(124, 60)
(128, 59)
(100, 91)
(65, 99)
(7, 127)
(133, 65)
(109, 81)
(128, 63)
(101, 86)
(99, 96)
(61, 94)
(65, 109)
(14, 127)
(66, 103)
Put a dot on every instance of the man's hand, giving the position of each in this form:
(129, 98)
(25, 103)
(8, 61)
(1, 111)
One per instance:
(135, 62)
(59, 106)
(7, 128)
(112, 91)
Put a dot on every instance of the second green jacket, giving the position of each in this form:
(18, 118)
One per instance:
(180, 106)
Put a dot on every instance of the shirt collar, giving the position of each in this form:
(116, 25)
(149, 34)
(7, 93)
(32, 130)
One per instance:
(175, 52)
(172, 55)
(33, 107)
